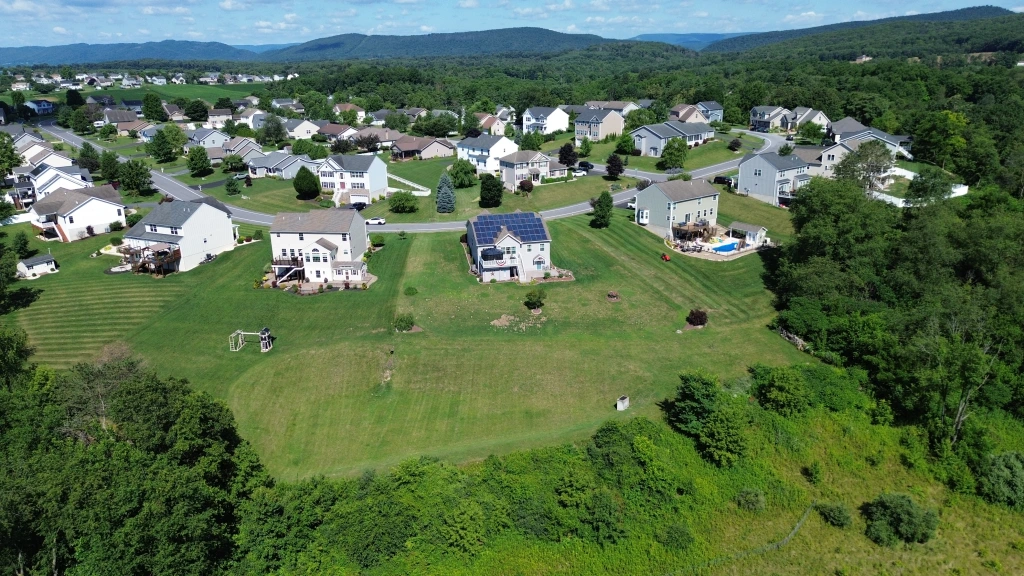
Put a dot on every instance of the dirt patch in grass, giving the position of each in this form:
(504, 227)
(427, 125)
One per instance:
(416, 329)
(503, 322)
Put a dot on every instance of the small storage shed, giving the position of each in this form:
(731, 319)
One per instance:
(37, 266)
(754, 235)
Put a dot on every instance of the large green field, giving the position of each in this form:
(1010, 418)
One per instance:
(320, 403)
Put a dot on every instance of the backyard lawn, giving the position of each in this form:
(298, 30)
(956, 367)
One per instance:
(733, 207)
(544, 197)
(268, 195)
(898, 188)
(709, 154)
(321, 403)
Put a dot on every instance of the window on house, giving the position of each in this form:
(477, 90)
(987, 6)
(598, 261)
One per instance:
(152, 227)
(284, 251)
(71, 219)
(344, 237)
(174, 231)
(529, 247)
(302, 236)
(307, 257)
(292, 251)
(541, 247)
(757, 172)
(118, 211)
(831, 157)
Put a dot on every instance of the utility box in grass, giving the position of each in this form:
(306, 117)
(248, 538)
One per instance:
(622, 403)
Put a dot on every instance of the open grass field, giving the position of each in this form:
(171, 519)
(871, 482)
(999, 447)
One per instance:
(268, 195)
(709, 154)
(463, 388)
(467, 200)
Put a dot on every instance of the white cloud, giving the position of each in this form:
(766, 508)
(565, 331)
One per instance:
(194, 34)
(144, 31)
(803, 18)
(17, 6)
(571, 29)
(426, 28)
(468, 3)
(60, 30)
(530, 11)
(566, 5)
(599, 5)
(232, 5)
(149, 10)
(291, 17)
(701, 14)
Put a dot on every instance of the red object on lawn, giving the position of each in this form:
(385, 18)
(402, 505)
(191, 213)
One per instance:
(665, 257)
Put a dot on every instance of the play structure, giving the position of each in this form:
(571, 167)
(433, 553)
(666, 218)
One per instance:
(237, 340)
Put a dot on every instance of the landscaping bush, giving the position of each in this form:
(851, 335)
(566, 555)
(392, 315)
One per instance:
(248, 238)
(1002, 480)
(376, 240)
(684, 176)
(327, 204)
(411, 291)
(814, 473)
(404, 322)
(836, 514)
(696, 398)
(116, 226)
(895, 517)
(402, 203)
(535, 299)
(735, 144)
(133, 219)
(116, 241)
(258, 234)
(526, 186)
(751, 500)
(553, 180)
(232, 188)
(697, 317)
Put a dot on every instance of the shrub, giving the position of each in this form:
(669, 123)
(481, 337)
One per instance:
(411, 291)
(535, 299)
(133, 219)
(696, 398)
(326, 204)
(735, 144)
(258, 234)
(781, 389)
(402, 203)
(721, 438)
(116, 226)
(835, 514)
(697, 317)
(320, 289)
(404, 322)
(750, 500)
(685, 176)
(116, 241)
(494, 281)
(248, 238)
(814, 473)
(895, 517)
(491, 191)
(526, 186)
(676, 536)
(1002, 480)
(377, 240)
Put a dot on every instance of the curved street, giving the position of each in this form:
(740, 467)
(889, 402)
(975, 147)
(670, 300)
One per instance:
(171, 187)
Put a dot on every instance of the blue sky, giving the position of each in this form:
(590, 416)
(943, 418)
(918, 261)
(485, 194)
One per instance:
(50, 22)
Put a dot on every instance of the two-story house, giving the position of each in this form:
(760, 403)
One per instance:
(545, 120)
(181, 235)
(663, 205)
(623, 108)
(301, 129)
(174, 112)
(515, 246)
(491, 124)
(802, 115)
(335, 131)
(206, 138)
(386, 137)
(529, 165)
(767, 118)
(70, 215)
(711, 110)
(319, 246)
(772, 178)
(118, 116)
(687, 113)
(595, 125)
(484, 151)
(133, 105)
(246, 148)
(897, 145)
(339, 109)
(651, 139)
(354, 178)
(218, 117)
(253, 118)
(41, 107)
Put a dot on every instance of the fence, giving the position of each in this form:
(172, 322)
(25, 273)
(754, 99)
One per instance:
(417, 189)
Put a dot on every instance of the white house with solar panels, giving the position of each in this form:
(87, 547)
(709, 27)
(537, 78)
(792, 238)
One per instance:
(514, 246)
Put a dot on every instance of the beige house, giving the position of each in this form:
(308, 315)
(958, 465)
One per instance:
(687, 113)
(491, 124)
(425, 148)
(597, 124)
(528, 165)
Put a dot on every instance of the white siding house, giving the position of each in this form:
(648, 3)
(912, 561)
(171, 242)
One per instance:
(359, 178)
(485, 151)
(514, 246)
(319, 246)
(545, 120)
(70, 215)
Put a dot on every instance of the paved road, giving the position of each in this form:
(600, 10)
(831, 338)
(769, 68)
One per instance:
(179, 191)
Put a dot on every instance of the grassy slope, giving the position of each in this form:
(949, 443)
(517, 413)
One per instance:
(462, 389)
(732, 207)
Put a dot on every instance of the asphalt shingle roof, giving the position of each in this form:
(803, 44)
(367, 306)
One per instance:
(330, 221)
(682, 190)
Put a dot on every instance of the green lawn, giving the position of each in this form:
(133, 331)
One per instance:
(544, 197)
(898, 188)
(462, 389)
(423, 172)
(733, 207)
(709, 154)
(265, 195)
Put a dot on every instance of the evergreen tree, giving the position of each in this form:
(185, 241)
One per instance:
(73, 98)
(20, 245)
(88, 158)
(196, 111)
(445, 195)
(232, 188)
(152, 108)
(490, 191)
(198, 162)
(602, 211)
(614, 167)
(79, 123)
(109, 165)
(306, 185)
(224, 103)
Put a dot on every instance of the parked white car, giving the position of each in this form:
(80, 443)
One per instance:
(376, 220)
(579, 173)
(631, 204)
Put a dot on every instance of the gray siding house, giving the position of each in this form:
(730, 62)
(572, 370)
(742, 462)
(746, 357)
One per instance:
(651, 139)
(662, 205)
(711, 110)
(767, 118)
(772, 178)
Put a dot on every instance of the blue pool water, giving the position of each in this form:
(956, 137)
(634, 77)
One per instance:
(725, 247)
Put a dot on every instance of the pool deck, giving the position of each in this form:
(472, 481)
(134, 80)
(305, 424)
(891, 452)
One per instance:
(711, 255)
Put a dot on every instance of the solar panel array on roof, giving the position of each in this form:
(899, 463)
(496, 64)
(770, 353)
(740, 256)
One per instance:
(526, 225)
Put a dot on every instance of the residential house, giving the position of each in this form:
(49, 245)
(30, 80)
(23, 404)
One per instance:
(288, 104)
(484, 152)
(41, 107)
(334, 131)
(133, 105)
(21, 87)
(687, 113)
(751, 234)
(490, 124)
(711, 110)
(515, 246)
(174, 113)
(70, 215)
(301, 129)
(595, 125)
(897, 145)
(209, 78)
(772, 178)
(545, 120)
(129, 82)
(105, 101)
(767, 118)
(354, 178)
(253, 100)
(206, 137)
(847, 125)
(118, 116)
(158, 81)
(385, 136)
(147, 134)
(42, 180)
(505, 113)
(663, 206)
(862, 59)
(126, 128)
(27, 146)
(185, 233)
(281, 165)
(802, 115)
(246, 148)
(48, 157)
(413, 114)
(253, 118)
(421, 147)
(623, 108)
(822, 160)
(651, 139)
(218, 117)
(379, 117)
(348, 106)
(529, 165)
(645, 103)
(178, 79)
(37, 265)
(325, 246)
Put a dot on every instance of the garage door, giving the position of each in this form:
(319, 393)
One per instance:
(355, 198)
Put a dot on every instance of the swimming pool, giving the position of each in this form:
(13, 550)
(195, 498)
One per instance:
(725, 247)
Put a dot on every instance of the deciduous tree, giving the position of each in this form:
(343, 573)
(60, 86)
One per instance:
(306, 184)
(463, 173)
(109, 165)
(153, 108)
(134, 176)
(614, 167)
(198, 162)
(567, 155)
(674, 154)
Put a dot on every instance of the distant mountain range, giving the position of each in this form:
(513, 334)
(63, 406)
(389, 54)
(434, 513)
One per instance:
(692, 41)
(89, 53)
(260, 48)
(751, 41)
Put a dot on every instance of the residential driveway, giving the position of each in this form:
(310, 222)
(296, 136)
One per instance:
(179, 191)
